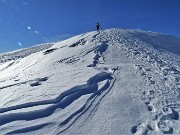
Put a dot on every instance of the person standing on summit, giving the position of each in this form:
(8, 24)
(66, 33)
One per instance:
(97, 26)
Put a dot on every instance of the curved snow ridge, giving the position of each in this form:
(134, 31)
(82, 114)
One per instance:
(65, 99)
(90, 105)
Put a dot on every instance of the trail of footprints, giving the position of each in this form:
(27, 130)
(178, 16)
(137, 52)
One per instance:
(164, 84)
(141, 129)
(166, 117)
(167, 87)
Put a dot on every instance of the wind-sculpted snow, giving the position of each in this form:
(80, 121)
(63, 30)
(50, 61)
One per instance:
(28, 129)
(62, 101)
(108, 82)
(94, 98)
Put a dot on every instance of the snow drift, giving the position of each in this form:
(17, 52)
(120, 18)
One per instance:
(107, 82)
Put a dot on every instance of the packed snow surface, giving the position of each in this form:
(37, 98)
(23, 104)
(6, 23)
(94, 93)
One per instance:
(108, 82)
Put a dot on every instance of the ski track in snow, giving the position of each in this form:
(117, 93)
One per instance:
(158, 69)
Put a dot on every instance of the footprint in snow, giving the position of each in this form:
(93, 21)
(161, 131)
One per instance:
(150, 107)
(165, 120)
(164, 127)
(170, 113)
(141, 129)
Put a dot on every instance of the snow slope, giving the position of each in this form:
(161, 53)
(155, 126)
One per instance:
(111, 82)
(23, 52)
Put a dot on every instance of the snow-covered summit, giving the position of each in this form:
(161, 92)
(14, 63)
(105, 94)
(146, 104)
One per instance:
(110, 82)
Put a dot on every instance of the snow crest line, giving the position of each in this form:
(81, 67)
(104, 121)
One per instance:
(64, 100)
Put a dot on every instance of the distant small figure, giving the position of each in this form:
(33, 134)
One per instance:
(97, 26)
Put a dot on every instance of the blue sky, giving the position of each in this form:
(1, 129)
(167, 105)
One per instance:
(24, 23)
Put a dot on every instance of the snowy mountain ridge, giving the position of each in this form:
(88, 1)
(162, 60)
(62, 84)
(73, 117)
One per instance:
(21, 53)
(110, 82)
